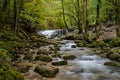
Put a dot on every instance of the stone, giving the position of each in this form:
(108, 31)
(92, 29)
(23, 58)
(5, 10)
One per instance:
(113, 63)
(43, 58)
(59, 63)
(28, 57)
(48, 73)
(69, 57)
(114, 56)
(73, 46)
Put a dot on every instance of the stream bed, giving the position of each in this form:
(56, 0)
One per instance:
(86, 66)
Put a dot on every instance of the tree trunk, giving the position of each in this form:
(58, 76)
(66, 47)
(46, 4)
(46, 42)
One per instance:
(85, 20)
(17, 9)
(97, 19)
(78, 17)
(117, 17)
(63, 13)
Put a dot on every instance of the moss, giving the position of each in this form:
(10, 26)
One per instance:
(116, 42)
(24, 70)
(59, 63)
(114, 56)
(44, 58)
(42, 51)
(113, 63)
(16, 75)
(46, 73)
(69, 57)
(56, 55)
(4, 55)
(15, 57)
(93, 37)
(9, 74)
(80, 43)
(28, 57)
(98, 44)
(9, 36)
(57, 48)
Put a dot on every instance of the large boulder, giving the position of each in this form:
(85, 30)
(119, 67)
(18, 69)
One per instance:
(48, 73)
(114, 56)
(115, 42)
(113, 63)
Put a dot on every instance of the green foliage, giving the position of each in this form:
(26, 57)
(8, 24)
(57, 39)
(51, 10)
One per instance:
(7, 73)
(4, 55)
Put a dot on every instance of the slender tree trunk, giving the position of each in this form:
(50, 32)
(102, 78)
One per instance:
(63, 13)
(17, 9)
(117, 17)
(85, 20)
(78, 16)
(15, 15)
(97, 18)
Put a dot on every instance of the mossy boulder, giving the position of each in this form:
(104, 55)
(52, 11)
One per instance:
(56, 55)
(114, 56)
(43, 58)
(48, 73)
(115, 42)
(57, 48)
(24, 69)
(113, 63)
(93, 37)
(28, 57)
(114, 50)
(69, 57)
(80, 43)
(98, 44)
(59, 63)
(42, 51)
(15, 57)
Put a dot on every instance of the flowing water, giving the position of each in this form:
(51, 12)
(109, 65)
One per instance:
(53, 33)
(86, 66)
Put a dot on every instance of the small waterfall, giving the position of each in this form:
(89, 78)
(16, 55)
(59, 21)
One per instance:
(53, 33)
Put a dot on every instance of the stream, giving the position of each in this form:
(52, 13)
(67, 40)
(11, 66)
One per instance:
(86, 66)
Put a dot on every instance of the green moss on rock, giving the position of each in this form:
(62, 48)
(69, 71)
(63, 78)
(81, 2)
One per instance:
(48, 73)
(113, 63)
(69, 57)
(28, 57)
(116, 42)
(44, 58)
(114, 56)
(59, 63)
